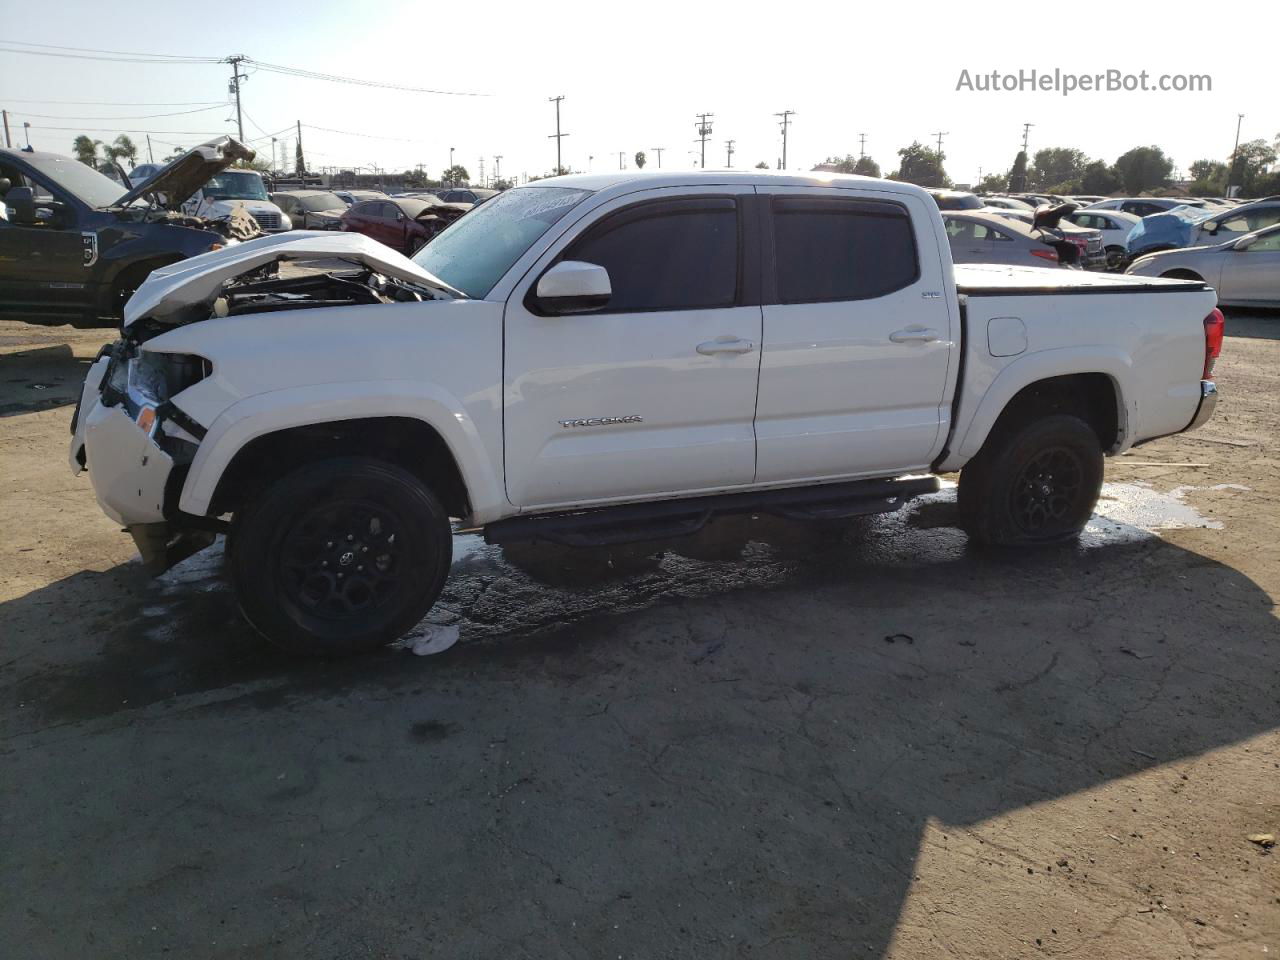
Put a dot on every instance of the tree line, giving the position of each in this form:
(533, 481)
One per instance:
(1066, 170)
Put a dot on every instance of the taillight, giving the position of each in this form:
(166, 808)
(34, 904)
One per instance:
(1047, 254)
(1215, 324)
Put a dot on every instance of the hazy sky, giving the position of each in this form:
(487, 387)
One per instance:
(635, 77)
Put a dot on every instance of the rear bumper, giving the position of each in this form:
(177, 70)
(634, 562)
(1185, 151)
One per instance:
(1208, 403)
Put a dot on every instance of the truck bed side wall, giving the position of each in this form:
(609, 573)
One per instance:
(1151, 345)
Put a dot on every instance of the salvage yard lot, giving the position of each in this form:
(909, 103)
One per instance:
(868, 742)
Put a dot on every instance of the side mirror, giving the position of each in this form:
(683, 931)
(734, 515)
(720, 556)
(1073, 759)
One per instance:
(572, 286)
(1244, 243)
(23, 202)
(1210, 228)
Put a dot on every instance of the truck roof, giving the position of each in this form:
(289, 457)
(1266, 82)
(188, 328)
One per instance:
(624, 180)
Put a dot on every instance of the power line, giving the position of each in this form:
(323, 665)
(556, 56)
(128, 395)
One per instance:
(335, 78)
(87, 56)
(109, 103)
(122, 53)
(191, 133)
(150, 116)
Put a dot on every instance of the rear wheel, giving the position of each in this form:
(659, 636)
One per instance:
(340, 557)
(1033, 484)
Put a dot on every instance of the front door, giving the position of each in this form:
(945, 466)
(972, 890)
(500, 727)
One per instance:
(655, 393)
(1253, 274)
(46, 266)
(858, 338)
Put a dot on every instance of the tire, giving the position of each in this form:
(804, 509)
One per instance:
(296, 566)
(1036, 483)
(1182, 274)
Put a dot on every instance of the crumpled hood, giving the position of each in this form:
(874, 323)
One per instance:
(169, 291)
(179, 179)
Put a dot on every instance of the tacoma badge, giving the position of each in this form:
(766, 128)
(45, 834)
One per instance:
(601, 421)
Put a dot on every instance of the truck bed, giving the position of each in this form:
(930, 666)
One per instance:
(995, 280)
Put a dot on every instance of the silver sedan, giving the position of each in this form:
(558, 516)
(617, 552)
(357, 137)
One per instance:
(1245, 271)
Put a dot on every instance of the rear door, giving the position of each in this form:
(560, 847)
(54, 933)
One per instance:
(857, 337)
(655, 393)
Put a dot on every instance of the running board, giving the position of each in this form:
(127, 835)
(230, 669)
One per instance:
(662, 519)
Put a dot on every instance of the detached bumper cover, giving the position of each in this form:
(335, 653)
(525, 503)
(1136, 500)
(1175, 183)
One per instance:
(126, 467)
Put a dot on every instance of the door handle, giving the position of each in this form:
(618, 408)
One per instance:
(725, 345)
(914, 334)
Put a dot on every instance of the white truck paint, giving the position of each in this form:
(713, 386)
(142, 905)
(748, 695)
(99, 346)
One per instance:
(557, 397)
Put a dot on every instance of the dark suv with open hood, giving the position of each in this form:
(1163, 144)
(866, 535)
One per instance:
(75, 244)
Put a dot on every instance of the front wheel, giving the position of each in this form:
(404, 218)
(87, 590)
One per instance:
(340, 557)
(1035, 484)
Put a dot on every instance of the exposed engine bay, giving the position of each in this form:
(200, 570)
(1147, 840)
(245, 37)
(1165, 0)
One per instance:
(275, 273)
(236, 225)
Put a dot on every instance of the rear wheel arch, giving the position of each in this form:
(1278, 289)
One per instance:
(1182, 273)
(1094, 398)
(407, 442)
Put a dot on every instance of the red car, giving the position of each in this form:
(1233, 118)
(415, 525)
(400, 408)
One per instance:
(402, 223)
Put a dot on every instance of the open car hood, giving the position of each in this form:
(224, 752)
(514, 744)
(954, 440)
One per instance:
(1047, 217)
(180, 178)
(186, 290)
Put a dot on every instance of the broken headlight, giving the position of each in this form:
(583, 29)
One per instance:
(144, 382)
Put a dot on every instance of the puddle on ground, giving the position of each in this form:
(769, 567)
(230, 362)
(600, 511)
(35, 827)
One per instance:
(1130, 511)
(496, 590)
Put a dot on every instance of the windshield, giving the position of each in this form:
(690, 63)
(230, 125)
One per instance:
(79, 180)
(235, 185)
(321, 201)
(474, 253)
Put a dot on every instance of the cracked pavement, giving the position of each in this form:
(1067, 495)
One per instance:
(660, 752)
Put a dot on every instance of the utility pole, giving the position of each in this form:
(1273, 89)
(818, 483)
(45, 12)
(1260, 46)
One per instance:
(298, 159)
(7, 142)
(273, 154)
(452, 181)
(1235, 151)
(940, 135)
(704, 131)
(862, 145)
(786, 116)
(728, 153)
(234, 87)
(658, 151)
(621, 164)
(150, 156)
(482, 171)
(1026, 133)
(558, 135)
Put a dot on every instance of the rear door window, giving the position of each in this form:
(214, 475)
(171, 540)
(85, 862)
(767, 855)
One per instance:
(832, 249)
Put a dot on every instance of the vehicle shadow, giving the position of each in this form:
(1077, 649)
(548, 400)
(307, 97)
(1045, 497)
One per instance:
(692, 757)
(40, 378)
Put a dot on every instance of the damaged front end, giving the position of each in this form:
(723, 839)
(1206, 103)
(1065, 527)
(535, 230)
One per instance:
(130, 430)
(236, 225)
(139, 446)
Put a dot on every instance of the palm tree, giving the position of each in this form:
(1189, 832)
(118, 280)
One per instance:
(122, 149)
(86, 150)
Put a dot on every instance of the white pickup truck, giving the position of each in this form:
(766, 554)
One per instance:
(597, 359)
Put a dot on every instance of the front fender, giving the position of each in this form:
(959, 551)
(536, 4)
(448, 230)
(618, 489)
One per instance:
(980, 409)
(266, 413)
